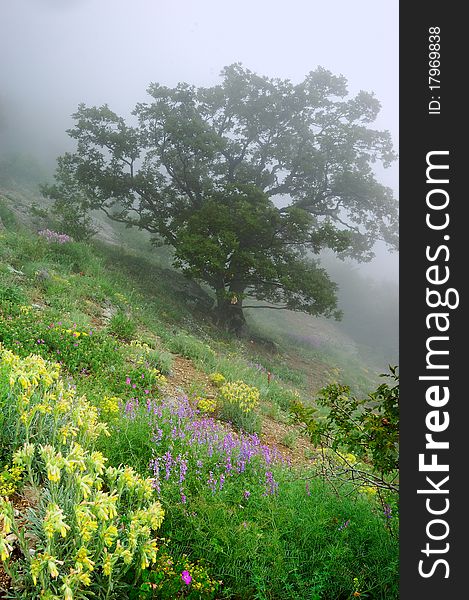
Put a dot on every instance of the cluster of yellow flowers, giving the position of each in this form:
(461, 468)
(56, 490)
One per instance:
(76, 333)
(9, 479)
(241, 394)
(206, 405)
(110, 405)
(217, 378)
(157, 376)
(85, 498)
(40, 396)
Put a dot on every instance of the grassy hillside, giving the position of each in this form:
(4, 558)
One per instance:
(200, 418)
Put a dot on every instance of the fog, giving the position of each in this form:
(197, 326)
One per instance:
(55, 54)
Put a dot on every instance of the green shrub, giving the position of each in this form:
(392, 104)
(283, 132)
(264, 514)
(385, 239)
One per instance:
(237, 402)
(122, 326)
(79, 350)
(12, 294)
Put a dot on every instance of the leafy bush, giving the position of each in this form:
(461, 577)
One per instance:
(12, 294)
(239, 394)
(79, 350)
(365, 428)
(237, 402)
(122, 326)
(10, 479)
(218, 379)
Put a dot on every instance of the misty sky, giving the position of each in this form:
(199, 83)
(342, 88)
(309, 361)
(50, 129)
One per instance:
(55, 54)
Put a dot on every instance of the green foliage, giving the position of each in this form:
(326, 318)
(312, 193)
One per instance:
(367, 428)
(236, 402)
(152, 358)
(173, 578)
(307, 543)
(70, 210)
(130, 443)
(122, 326)
(12, 294)
(78, 350)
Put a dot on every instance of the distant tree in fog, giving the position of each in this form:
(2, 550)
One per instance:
(200, 169)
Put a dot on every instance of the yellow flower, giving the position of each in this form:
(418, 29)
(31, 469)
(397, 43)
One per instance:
(67, 590)
(34, 569)
(98, 462)
(104, 505)
(87, 523)
(110, 405)
(206, 404)
(240, 394)
(54, 521)
(52, 566)
(109, 535)
(83, 560)
(107, 564)
(67, 431)
(148, 553)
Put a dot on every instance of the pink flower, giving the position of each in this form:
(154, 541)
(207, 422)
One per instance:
(186, 577)
(127, 381)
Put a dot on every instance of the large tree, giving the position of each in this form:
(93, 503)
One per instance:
(246, 180)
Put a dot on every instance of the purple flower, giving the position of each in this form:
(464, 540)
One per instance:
(168, 463)
(212, 482)
(246, 494)
(182, 469)
(387, 511)
(53, 236)
(186, 577)
(271, 484)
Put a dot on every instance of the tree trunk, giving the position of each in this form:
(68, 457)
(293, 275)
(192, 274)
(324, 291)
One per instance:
(229, 313)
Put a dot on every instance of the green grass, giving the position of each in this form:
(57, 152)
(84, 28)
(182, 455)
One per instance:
(287, 544)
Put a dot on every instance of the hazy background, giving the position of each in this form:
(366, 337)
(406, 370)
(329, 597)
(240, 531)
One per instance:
(55, 54)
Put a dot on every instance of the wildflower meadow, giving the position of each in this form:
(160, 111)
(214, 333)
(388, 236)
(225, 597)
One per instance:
(121, 477)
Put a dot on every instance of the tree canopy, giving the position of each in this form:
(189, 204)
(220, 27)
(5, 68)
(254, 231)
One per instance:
(246, 180)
